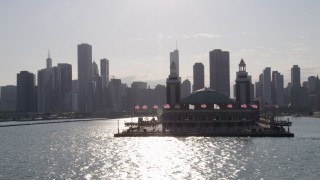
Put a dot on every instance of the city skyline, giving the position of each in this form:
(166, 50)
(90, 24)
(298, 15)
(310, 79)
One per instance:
(142, 33)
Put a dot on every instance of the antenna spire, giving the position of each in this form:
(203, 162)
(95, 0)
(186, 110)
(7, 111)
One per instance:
(49, 53)
(176, 45)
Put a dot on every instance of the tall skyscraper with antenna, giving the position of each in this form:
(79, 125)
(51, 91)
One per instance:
(49, 60)
(174, 57)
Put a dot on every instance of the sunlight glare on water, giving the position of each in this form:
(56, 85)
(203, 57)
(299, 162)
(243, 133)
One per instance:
(184, 158)
(88, 150)
(158, 158)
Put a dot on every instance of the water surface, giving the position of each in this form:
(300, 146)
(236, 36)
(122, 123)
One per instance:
(88, 150)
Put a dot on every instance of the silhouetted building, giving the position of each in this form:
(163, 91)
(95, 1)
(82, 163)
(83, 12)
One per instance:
(47, 77)
(243, 85)
(139, 85)
(312, 84)
(95, 69)
(305, 84)
(299, 95)
(258, 87)
(251, 89)
(84, 74)
(185, 88)
(219, 71)
(277, 87)
(173, 87)
(26, 92)
(287, 94)
(98, 101)
(46, 94)
(295, 76)
(174, 57)
(8, 100)
(138, 95)
(98, 90)
(49, 61)
(116, 91)
(314, 94)
(266, 86)
(54, 89)
(198, 76)
(160, 95)
(90, 101)
(104, 71)
(65, 87)
(75, 94)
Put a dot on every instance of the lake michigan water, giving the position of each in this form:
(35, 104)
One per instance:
(88, 150)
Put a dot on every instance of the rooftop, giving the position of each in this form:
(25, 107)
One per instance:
(206, 96)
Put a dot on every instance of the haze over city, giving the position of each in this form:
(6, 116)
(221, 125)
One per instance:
(137, 36)
(159, 89)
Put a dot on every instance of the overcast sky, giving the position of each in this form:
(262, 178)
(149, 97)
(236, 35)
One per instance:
(137, 35)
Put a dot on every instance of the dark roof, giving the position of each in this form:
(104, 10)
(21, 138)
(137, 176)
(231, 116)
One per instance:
(242, 62)
(206, 96)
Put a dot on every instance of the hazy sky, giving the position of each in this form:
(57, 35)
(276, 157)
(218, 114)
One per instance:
(137, 35)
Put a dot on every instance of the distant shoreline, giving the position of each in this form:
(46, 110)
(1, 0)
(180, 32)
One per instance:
(51, 122)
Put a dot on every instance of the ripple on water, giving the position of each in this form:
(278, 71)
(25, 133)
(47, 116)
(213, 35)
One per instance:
(87, 150)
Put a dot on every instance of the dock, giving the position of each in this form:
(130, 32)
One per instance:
(220, 134)
(154, 128)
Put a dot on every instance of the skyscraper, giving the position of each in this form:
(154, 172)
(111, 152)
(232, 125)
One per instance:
(46, 87)
(185, 88)
(160, 95)
(49, 61)
(295, 76)
(75, 94)
(116, 94)
(8, 101)
(46, 94)
(26, 92)
(266, 85)
(312, 82)
(219, 71)
(198, 76)
(174, 57)
(95, 69)
(84, 73)
(258, 87)
(98, 94)
(54, 88)
(298, 94)
(314, 93)
(90, 96)
(277, 88)
(65, 91)
(104, 71)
